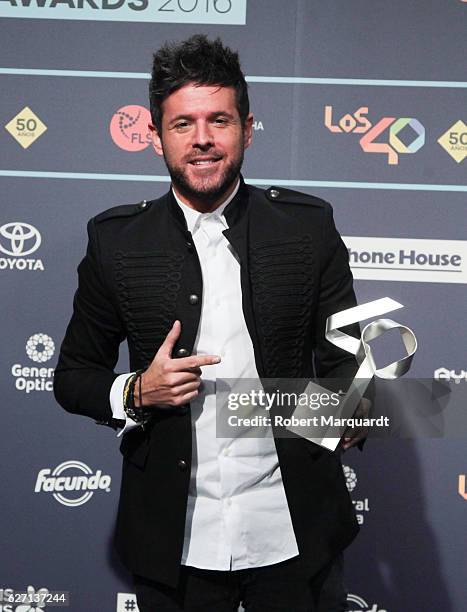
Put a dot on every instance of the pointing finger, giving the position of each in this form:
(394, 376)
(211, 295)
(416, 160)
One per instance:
(167, 346)
(196, 361)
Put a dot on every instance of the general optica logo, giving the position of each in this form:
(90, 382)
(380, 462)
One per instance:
(40, 347)
(63, 481)
(350, 478)
(129, 128)
(403, 135)
(361, 505)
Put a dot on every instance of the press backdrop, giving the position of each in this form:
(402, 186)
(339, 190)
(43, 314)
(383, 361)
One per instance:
(360, 102)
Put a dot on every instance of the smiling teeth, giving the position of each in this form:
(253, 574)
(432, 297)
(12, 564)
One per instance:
(204, 162)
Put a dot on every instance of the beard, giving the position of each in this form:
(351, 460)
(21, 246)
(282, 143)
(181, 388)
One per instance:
(208, 189)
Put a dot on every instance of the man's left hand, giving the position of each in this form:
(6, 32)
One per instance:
(355, 435)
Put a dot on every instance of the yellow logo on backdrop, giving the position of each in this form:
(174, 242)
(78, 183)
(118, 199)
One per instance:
(461, 489)
(26, 127)
(454, 141)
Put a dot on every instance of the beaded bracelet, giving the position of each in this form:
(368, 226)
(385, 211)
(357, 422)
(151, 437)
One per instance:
(136, 413)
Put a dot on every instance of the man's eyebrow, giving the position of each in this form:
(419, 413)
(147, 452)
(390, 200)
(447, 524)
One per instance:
(212, 114)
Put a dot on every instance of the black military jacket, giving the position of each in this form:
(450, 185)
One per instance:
(140, 269)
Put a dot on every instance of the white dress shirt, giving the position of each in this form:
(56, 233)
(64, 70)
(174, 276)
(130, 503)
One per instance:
(237, 515)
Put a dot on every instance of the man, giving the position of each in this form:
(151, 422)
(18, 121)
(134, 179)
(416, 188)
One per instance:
(239, 282)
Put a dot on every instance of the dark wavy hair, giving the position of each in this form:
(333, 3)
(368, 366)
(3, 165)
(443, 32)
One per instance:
(200, 61)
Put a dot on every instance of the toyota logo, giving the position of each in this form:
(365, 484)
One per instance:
(23, 238)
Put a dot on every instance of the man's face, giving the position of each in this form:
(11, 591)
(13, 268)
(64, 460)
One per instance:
(202, 142)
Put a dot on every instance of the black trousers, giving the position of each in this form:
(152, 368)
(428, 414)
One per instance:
(283, 587)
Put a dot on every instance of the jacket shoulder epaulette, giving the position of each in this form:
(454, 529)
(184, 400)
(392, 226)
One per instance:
(124, 210)
(290, 196)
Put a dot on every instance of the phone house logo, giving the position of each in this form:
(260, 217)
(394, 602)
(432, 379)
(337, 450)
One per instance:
(407, 259)
(72, 483)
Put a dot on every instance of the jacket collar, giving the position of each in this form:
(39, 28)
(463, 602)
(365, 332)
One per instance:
(233, 212)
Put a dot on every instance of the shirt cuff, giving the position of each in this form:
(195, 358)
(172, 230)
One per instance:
(116, 403)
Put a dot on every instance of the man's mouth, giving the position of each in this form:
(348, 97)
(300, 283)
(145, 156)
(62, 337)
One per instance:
(204, 161)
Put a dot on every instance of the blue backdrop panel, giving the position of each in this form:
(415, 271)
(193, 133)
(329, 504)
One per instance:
(339, 90)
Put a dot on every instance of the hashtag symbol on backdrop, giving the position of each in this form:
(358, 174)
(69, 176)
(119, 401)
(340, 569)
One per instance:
(130, 604)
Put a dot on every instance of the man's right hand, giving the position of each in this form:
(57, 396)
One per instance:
(172, 382)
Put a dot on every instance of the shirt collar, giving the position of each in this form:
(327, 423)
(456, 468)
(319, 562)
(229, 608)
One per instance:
(194, 217)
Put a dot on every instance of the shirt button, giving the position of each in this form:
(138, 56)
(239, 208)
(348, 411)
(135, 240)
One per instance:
(182, 352)
(182, 464)
(228, 501)
(193, 299)
(226, 452)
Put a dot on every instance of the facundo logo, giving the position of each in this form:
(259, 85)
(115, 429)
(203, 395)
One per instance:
(358, 123)
(26, 127)
(361, 505)
(454, 141)
(445, 374)
(129, 128)
(358, 604)
(126, 602)
(39, 348)
(85, 483)
(19, 239)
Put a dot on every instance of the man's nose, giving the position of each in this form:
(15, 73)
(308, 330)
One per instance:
(203, 137)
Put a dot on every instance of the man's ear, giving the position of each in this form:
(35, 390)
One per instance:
(248, 131)
(155, 139)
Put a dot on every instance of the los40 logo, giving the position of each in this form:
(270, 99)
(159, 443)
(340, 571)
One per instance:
(358, 123)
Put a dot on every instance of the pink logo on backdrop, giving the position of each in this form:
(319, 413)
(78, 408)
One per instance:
(129, 128)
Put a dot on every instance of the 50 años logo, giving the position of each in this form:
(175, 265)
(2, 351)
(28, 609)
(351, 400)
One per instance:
(390, 127)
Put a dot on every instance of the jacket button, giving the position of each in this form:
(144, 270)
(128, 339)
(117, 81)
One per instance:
(143, 204)
(182, 464)
(273, 193)
(193, 299)
(182, 352)
(189, 245)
